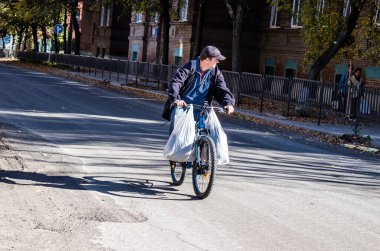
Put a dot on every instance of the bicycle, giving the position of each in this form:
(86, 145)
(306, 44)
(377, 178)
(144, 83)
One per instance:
(205, 163)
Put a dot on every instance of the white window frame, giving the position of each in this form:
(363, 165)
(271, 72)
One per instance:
(273, 17)
(184, 11)
(102, 16)
(138, 17)
(296, 17)
(321, 5)
(376, 16)
(347, 8)
(155, 32)
(108, 23)
(105, 15)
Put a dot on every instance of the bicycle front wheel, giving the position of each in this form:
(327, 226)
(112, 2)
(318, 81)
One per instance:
(204, 167)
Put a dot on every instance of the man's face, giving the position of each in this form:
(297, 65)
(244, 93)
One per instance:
(212, 62)
(357, 73)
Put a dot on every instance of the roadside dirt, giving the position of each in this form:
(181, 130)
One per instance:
(44, 203)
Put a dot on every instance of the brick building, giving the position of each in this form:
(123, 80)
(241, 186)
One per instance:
(271, 41)
(282, 50)
(105, 31)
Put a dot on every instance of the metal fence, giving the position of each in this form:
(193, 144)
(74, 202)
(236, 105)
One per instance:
(322, 96)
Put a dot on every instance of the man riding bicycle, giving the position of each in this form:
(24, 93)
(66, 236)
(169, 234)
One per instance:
(198, 81)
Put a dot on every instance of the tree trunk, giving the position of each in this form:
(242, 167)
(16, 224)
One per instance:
(64, 32)
(159, 42)
(26, 37)
(19, 35)
(340, 38)
(70, 37)
(236, 15)
(165, 31)
(44, 38)
(56, 21)
(35, 38)
(144, 56)
(56, 45)
(198, 30)
(75, 25)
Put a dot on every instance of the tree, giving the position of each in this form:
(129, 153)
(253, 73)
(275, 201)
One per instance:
(336, 30)
(328, 33)
(236, 10)
(198, 31)
(73, 6)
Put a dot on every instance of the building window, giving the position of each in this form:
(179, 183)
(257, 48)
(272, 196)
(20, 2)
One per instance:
(347, 8)
(273, 17)
(270, 64)
(290, 73)
(105, 14)
(376, 18)
(134, 55)
(102, 16)
(183, 11)
(135, 52)
(177, 61)
(138, 17)
(321, 5)
(340, 70)
(269, 70)
(155, 31)
(108, 16)
(296, 17)
(372, 72)
(291, 68)
(178, 54)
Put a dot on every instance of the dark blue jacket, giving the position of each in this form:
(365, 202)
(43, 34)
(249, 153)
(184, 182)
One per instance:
(218, 88)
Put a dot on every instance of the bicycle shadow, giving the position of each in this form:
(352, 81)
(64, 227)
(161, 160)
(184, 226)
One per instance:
(152, 189)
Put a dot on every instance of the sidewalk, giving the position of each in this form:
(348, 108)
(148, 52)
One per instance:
(331, 129)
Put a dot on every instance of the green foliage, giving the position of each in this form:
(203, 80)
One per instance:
(321, 27)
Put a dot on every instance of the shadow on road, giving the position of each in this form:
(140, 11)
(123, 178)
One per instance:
(131, 187)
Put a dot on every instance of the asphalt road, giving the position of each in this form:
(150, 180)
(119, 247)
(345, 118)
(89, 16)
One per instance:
(281, 191)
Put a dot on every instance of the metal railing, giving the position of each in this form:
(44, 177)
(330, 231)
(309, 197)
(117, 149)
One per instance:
(322, 96)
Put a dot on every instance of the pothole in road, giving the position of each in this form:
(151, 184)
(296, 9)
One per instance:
(111, 215)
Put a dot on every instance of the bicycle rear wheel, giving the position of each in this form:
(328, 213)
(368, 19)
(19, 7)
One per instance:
(204, 167)
(178, 172)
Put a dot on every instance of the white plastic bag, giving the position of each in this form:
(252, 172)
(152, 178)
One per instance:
(219, 137)
(180, 145)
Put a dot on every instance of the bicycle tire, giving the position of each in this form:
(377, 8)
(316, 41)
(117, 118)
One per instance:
(204, 169)
(177, 178)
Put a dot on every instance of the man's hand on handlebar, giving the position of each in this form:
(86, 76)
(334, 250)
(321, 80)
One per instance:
(229, 109)
(180, 103)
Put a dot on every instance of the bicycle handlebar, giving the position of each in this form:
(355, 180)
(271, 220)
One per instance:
(208, 107)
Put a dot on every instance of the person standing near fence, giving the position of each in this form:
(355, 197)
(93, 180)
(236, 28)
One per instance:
(355, 85)
(343, 89)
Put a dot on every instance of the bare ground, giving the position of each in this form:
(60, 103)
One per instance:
(44, 205)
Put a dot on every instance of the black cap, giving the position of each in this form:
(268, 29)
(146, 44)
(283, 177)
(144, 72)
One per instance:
(212, 52)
